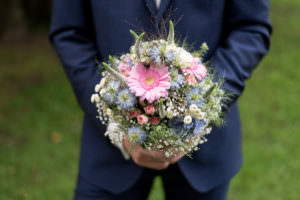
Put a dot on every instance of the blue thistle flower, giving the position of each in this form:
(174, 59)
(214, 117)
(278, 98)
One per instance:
(176, 124)
(126, 99)
(176, 79)
(169, 56)
(199, 124)
(193, 96)
(179, 127)
(155, 54)
(111, 91)
(131, 63)
(108, 97)
(136, 134)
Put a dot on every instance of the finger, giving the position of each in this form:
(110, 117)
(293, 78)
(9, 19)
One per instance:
(153, 155)
(153, 165)
(146, 161)
(147, 154)
(130, 146)
(176, 158)
(142, 157)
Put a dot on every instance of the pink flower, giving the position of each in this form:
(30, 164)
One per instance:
(124, 68)
(127, 58)
(150, 110)
(142, 102)
(196, 68)
(154, 120)
(134, 113)
(149, 83)
(190, 78)
(142, 119)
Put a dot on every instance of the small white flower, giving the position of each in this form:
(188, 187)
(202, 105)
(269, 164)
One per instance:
(102, 82)
(200, 115)
(93, 98)
(102, 92)
(167, 154)
(183, 57)
(96, 98)
(97, 88)
(108, 112)
(169, 114)
(193, 108)
(197, 112)
(208, 130)
(187, 119)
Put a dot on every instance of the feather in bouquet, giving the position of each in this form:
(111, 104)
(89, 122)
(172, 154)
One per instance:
(160, 96)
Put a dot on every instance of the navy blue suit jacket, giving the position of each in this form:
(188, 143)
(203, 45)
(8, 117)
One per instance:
(237, 32)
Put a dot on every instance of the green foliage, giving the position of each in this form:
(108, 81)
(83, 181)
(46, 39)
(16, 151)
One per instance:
(137, 43)
(157, 133)
(40, 125)
(202, 51)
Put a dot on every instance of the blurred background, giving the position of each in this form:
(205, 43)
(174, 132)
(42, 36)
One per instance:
(40, 121)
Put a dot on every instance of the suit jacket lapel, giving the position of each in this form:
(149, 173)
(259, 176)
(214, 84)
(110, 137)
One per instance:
(157, 14)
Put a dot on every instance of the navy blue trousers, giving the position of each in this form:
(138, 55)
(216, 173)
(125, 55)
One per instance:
(175, 187)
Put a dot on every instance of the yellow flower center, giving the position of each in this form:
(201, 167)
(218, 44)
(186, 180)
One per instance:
(149, 80)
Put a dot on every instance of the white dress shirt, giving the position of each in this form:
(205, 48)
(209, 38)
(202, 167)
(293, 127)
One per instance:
(157, 3)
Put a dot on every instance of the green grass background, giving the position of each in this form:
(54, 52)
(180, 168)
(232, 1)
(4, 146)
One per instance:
(40, 121)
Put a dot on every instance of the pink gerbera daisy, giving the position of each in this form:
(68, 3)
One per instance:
(149, 83)
(196, 68)
(124, 68)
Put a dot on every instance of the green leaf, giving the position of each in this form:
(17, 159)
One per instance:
(134, 34)
(209, 91)
(171, 33)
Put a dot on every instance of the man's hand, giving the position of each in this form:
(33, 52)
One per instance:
(149, 159)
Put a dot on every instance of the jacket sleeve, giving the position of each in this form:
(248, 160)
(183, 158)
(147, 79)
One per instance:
(72, 36)
(246, 39)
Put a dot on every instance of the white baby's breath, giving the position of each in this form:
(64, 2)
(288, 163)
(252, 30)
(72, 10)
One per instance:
(102, 82)
(102, 92)
(97, 88)
(93, 98)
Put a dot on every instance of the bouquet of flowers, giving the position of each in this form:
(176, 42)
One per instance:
(160, 96)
